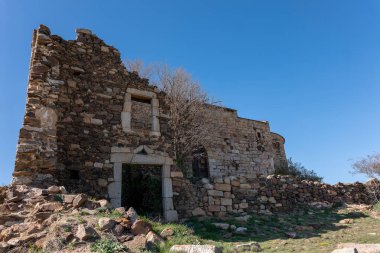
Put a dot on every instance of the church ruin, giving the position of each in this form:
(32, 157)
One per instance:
(89, 122)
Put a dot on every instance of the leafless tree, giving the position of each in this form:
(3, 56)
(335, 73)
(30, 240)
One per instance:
(189, 108)
(139, 67)
(370, 166)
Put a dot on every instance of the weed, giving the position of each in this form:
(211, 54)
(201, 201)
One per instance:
(67, 229)
(107, 246)
(34, 249)
(58, 198)
(84, 213)
(376, 207)
(112, 215)
(71, 246)
(81, 220)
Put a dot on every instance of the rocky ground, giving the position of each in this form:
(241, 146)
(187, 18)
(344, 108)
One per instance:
(52, 220)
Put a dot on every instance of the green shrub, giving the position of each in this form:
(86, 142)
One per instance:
(107, 246)
(297, 170)
(58, 198)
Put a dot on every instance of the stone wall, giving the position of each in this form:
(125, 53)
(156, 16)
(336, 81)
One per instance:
(242, 146)
(76, 102)
(82, 103)
(86, 116)
(278, 150)
(269, 194)
(141, 115)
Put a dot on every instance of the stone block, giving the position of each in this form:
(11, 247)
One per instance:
(243, 205)
(245, 186)
(214, 208)
(226, 202)
(98, 122)
(102, 182)
(176, 174)
(215, 193)
(114, 190)
(171, 216)
(167, 203)
(104, 49)
(227, 195)
(98, 165)
(198, 212)
(167, 188)
(222, 187)
(208, 186)
(126, 120)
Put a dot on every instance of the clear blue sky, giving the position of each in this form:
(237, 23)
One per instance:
(311, 68)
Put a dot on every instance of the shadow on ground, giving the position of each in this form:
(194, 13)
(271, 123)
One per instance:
(260, 228)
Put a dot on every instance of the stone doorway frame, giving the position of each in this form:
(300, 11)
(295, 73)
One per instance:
(120, 156)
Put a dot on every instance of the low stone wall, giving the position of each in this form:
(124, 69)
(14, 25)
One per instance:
(259, 195)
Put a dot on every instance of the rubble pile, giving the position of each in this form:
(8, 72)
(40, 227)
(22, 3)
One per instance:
(53, 220)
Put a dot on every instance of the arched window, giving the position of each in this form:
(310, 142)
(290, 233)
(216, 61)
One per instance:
(200, 163)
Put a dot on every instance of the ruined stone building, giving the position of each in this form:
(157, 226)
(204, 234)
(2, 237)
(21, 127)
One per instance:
(91, 126)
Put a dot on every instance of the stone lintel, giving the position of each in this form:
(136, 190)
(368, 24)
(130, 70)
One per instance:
(141, 93)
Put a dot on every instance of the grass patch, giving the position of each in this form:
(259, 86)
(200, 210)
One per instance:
(110, 214)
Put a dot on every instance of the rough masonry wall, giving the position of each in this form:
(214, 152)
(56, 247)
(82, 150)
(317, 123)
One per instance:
(36, 156)
(279, 150)
(141, 116)
(259, 195)
(240, 146)
(76, 94)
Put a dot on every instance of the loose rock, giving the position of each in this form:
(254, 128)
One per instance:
(85, 233)
(106, 223)
(141, 227)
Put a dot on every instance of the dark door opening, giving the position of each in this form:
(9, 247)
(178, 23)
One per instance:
(142, 189)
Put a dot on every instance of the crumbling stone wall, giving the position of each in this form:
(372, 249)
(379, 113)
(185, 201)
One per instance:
(76, 96)
(86, 116)
(278, 150)
(241, 146)
(259, 195)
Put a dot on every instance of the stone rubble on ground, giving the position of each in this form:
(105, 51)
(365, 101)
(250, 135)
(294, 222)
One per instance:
(52, 219)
